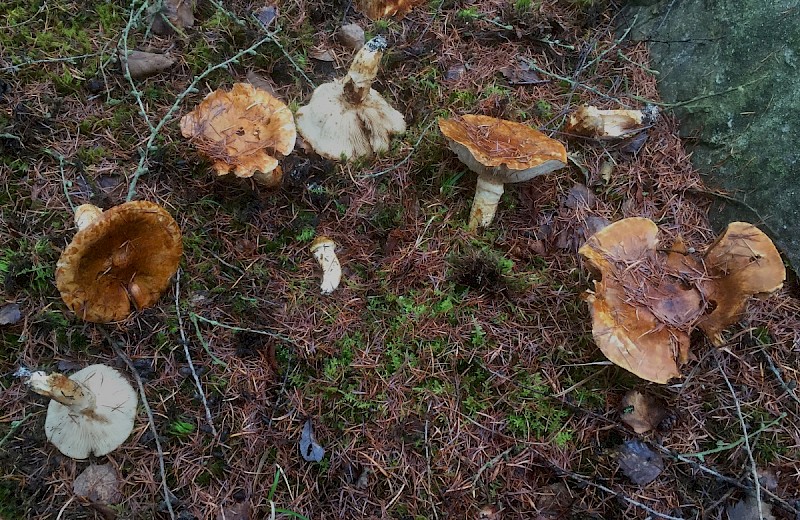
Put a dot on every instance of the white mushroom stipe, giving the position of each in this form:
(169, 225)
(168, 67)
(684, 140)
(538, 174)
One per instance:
(324, 250)
(85, 214)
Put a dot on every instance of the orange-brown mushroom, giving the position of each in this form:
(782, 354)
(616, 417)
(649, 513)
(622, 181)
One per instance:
(376, 9)
(642, 313)
(246, 130)
(743, 262)
(122, 257)
(500, 152)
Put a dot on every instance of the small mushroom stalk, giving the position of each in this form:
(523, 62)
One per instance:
(85, 214)
(324, 250)
(59, 387)
(363, 70)
(487, 196)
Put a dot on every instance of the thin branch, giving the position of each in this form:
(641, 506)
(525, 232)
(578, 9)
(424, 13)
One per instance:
(747, 448)
(241, 329)
(161, 465)
(188, 355)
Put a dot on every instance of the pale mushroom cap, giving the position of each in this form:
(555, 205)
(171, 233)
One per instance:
(125, 256)
(85, 214)
(98, 431)
(336, 128)
(508, 151)
(246, 130)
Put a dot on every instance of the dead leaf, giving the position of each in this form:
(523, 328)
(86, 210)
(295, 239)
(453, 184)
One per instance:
(322, 55)
(98, 483)
(351, 36)
(580, 196)
(747, 509)
(144, 64)
(262, 83)
(266, 15)
(521, 74)
(310, 450)
(173, 13)
(642, 412)
(239, 511)
(639, 463)
(10, 314)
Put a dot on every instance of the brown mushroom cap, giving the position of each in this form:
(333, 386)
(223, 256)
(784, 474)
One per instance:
(641, 312)
(126, 255)
(743, 262)
(245, 130)
(589, 120)
(385, 8)
(509, 151)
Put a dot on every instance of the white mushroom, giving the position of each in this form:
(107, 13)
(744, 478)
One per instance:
(91, 412)
(347, 117)
(324, 250)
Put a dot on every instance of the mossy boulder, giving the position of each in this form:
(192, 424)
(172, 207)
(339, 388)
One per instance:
(733, 69)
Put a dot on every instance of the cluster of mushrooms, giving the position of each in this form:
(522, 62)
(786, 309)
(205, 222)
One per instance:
(646, 299)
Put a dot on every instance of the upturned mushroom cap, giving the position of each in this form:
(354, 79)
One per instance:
(508, 151)
(743, 262)
(347, 118)
(591, 121)
(125, 256)
(641, 313)
(246, 130)
(98, 411)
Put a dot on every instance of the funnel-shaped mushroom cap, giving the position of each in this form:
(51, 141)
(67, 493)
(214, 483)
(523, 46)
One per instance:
(743, 262)
(508, 151)
(92, 411)
(246, 130)
(641, 313)
(347, 118)
(589, 120)
(125, 256)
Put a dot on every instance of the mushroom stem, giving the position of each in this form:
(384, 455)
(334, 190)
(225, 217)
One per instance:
(324, 250)
(487, 195)
(59, 387)
(85, 214)
(363, 70)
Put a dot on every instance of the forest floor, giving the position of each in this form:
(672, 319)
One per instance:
(453, 374)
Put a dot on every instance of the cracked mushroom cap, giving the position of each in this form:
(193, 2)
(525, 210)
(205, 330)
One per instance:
(508, 151)
(123, 258)
(641, 313)
(98, 414)
(743, 262)
(246, 130)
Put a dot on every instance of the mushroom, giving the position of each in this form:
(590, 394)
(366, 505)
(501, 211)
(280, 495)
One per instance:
(591, 121)
(324, 250)
(246, 130)
(743, 262)
(642, 313)
(347, 118)
(500, 152)
(376, 9)
(121, 257)
(91, 412)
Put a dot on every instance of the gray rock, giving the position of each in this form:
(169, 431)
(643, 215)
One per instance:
(733, 66)
(351, 36)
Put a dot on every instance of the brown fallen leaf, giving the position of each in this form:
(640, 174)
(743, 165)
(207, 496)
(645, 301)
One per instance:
(145, 64)
(747, 509)
(239, 511)
(642, 412)
(174, 14)
(98, 483)
(639, 463)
